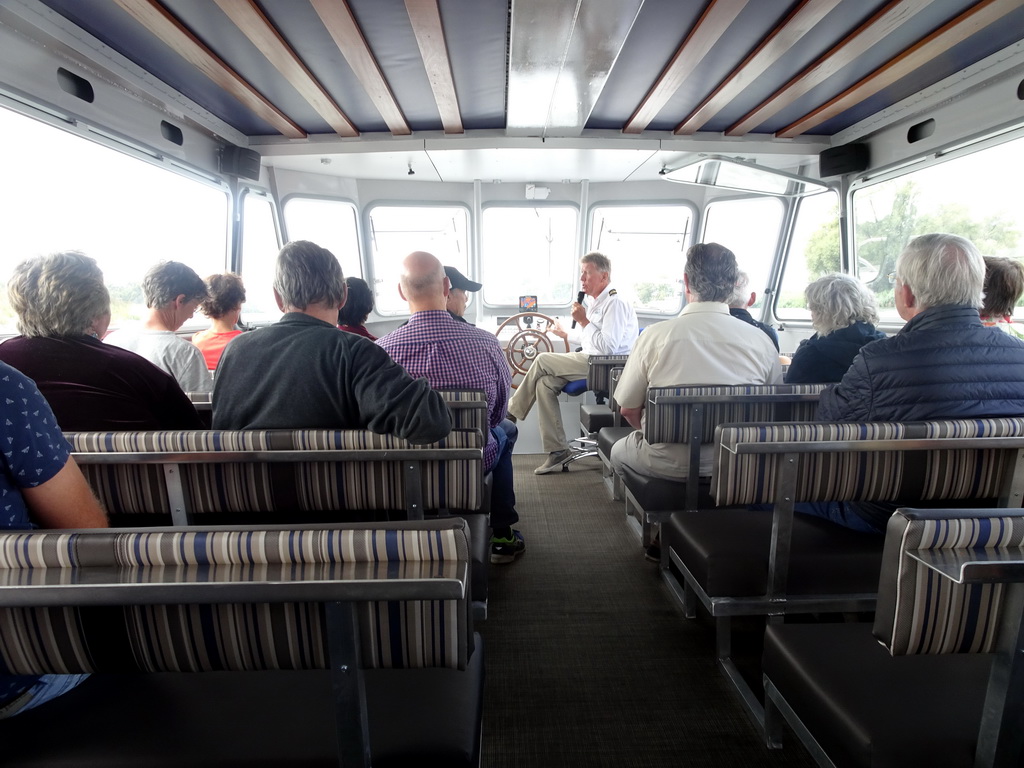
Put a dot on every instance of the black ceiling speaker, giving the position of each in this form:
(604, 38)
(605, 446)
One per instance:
(838, 161)
(241, 162)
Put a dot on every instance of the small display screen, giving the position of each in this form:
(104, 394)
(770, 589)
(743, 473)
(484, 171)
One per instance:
(527, 303)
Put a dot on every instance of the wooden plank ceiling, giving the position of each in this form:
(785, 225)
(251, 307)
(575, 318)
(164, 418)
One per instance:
(773, 68)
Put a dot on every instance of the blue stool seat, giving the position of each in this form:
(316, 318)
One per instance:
(574, 388)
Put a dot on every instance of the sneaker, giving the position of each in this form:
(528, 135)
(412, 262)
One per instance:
(653, 552)
(507, 550)
(554, 461)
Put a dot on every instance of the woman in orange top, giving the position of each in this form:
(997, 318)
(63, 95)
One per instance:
(223, 307)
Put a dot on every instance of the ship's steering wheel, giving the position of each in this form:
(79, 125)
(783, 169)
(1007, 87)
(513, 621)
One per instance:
(523, 337)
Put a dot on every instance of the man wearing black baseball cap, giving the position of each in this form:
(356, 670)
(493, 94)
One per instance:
(457, 297)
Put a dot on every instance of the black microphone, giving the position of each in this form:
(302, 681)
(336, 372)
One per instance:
(579, 300)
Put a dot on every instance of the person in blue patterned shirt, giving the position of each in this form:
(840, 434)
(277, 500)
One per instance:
(40, 487)
(454, 354)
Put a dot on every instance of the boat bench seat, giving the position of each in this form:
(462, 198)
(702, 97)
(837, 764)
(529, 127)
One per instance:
(281, 645)
(287, 476)
(771, 562)
(689, 415)
(935, 680)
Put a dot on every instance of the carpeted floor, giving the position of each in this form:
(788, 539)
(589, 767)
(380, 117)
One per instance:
(589, 662)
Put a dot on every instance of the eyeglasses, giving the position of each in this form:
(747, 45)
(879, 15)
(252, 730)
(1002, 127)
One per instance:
(892, 278)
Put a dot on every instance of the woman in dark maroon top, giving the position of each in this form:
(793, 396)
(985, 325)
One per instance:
(63, 311)
(358, 305)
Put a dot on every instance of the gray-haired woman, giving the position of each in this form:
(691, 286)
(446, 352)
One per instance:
(843, 313)
(63, 310)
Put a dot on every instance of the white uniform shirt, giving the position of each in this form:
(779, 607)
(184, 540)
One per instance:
(169, 352)
(612, 326)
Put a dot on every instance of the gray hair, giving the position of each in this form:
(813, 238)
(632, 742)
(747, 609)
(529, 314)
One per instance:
(711, 272)
(166, 281)
(740, 294)
(942, 269)
(601, 262)
(308, 274)
(838, 301)
(58, 295)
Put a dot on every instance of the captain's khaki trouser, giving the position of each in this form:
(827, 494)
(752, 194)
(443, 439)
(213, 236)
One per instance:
(544, 381)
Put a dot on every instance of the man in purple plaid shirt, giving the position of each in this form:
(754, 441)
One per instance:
(452, 354)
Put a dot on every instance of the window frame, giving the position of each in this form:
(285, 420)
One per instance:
(531, 204)
(370, 273)
(691, 239)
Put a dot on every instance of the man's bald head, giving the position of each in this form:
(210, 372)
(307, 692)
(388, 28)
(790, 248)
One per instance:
(423, 282)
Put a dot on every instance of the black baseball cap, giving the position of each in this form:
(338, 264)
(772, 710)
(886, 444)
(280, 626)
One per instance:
(459, 280)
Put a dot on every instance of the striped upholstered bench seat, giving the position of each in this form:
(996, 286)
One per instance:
(191, 474)
(690, 415)
(596, 416)
(285, 476)
(266, 615)
(468, 408)
(914, 688)
(740, 561)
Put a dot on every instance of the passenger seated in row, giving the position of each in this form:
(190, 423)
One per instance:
(358, 305)
(1004, 285)
(740, 302)
(40, 487)
(225, 295)
(63, 310)
(303, 373)
(456, 355)
(458, 296)
(844, 314)
(173, 292)
(607, 326)
(943, 364)
(702, 346)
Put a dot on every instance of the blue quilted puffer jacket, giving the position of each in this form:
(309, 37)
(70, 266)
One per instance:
(943, 364)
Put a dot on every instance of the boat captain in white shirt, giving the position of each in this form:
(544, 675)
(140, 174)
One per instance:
(606, 324)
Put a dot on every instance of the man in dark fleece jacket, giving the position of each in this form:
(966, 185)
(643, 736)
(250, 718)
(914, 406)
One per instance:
(943, 364)
(303, 373)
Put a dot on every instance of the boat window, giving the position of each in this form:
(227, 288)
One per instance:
(813, 252)
(259, 254)
(330, 224)
(397, 231)
(976, 196)
(748, 227)
(647, 246)
(529, 251)
(64, 192)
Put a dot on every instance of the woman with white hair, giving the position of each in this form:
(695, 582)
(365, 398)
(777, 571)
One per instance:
(843, 313)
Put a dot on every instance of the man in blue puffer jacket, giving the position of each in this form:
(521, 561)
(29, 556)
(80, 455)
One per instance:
(943, 364)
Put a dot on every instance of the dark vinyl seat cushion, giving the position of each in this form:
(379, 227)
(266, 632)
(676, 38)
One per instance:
(609, 436)
(727, 552)
(654, 494)
(926, 711)
(595, 417)
(423, 717)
